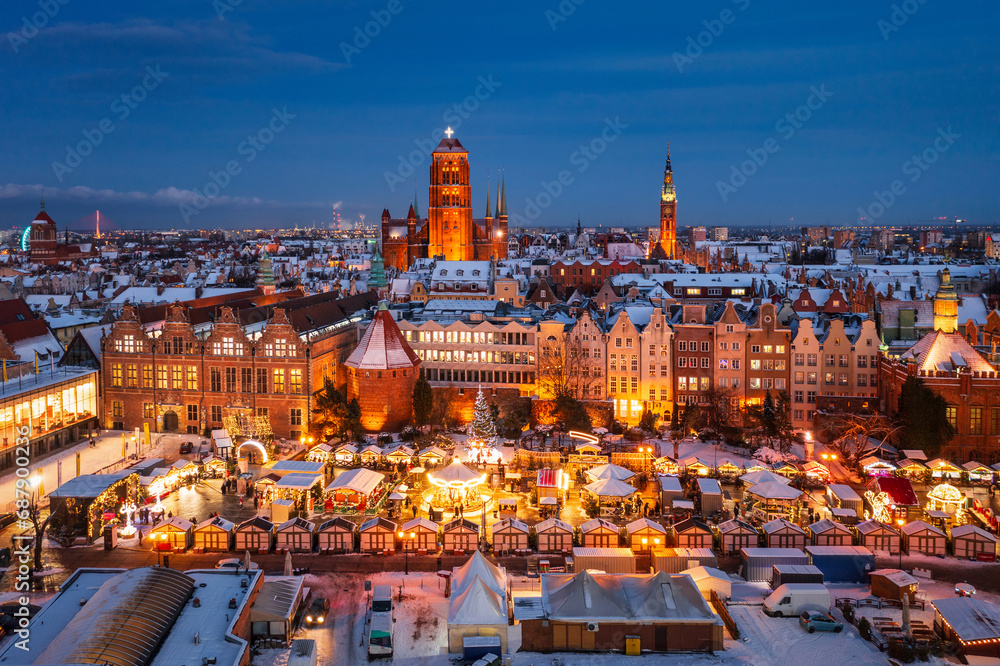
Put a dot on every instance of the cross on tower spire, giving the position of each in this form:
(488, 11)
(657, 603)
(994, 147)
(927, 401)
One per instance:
(448, 132)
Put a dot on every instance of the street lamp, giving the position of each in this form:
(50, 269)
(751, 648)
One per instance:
(900, 522)
(403, 538)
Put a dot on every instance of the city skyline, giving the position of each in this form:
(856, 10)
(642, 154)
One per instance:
(798, 117)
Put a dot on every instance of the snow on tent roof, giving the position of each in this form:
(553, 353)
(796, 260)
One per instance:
(478, 567)
(970, 618)
(826, 525)
(843, 491)
(217, 521)
(361, 480)
(610, 488)
(297, 466)
(417, 523)
(456, 472)
(609, 471)
(598, 523)
(634, 597)
(670, 484)
(553, 524)
(774, 490)
(913, 454)
(300, 523)
(477, 604)
(735, 524)
(89, 486)
(897, 576)
(970, 530)
(176, 521)
(920, 526)
(781, 524)
(763, 476)
(300, 480)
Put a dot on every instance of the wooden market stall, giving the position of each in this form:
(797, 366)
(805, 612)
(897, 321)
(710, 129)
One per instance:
(214, 535)
(345, 455)
(554, 536)
(692, 533)
(256, 534)
(378, 535)
(645, 534)
(176, 531)
(735, 535)
(599, 533)
(876, 536)
(509, 536)
(336, 536)
(296, 535)
(779, 533)
(460, 535)
(356, 490)
(920, 537)
(420, 536)
(893, 584)
(971, 542)
(828, 532)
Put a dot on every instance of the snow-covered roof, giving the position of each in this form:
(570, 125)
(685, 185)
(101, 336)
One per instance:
(970, 618)
(361, 480)
(88, 486)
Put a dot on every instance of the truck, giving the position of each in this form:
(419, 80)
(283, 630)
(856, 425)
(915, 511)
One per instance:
(380, 636)
(790, 599)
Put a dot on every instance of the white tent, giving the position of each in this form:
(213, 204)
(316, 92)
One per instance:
(362, 481)
(774, 491)
(456, 474)
(478, 605)
(764, 476)
(708, 579)
(609, 471)
(610, 488)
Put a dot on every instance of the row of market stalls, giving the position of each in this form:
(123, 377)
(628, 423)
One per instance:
(918, 467)
(354, 455)
(732, 468)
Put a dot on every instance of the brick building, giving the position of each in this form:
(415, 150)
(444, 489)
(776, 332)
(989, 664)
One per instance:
(694, 354)
(952, 368)
(381, 372)
(588, 277)
(184, 371)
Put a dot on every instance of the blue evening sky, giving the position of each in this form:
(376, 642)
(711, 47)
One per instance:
(593, 94)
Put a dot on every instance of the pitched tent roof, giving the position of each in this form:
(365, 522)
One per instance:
(478, 567)
(338, 522)
(763, 476)
(609, 471)
(780, 524)
(692, 524)
(899, 489)
(277, 599)
(610, 488)
(645, 523)
(617, 597)
(478, 604)
(382, 347)
(774, 490)
(361, 480)
(970, 618)
(456, 472)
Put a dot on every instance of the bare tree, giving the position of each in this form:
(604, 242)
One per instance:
(851, 433)
(565, 367)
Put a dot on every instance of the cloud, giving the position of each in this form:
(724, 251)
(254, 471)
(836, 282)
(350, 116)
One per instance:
(169, 196)
(211, 47)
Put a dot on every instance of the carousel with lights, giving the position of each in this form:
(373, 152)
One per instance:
(482, 448)
(946, 502)
(457, 484)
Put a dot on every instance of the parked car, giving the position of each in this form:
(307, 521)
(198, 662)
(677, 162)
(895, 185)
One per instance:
(316, 614)
(235, 563)
(814, 621)
(187, 447)
(7, 519)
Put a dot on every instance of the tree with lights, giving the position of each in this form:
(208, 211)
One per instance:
(483, 428)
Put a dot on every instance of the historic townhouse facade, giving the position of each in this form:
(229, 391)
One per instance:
(731, 353)
(768, 347)
(832, 360)
(694, 354)
(639, 368)
(265, 361)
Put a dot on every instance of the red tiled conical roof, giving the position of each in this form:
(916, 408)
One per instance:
(382, 347)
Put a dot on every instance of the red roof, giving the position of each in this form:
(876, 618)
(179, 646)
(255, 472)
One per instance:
(44, 217)
(898, 489)
(547, 478)
(382, 347)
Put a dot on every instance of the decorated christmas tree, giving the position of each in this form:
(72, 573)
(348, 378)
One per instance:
(483, 430)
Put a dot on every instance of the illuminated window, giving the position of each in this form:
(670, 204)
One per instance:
(147, 410)
(976, 421)
(116, 375)
(177, 375)
(296, 381)
(161, 377)
(279, 380)
(147, 376)
(133, 376)
(952, 414)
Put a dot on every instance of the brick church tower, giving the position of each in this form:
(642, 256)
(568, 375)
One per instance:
(381, 373)
(43, 243)
(668, 212)
(450, 207)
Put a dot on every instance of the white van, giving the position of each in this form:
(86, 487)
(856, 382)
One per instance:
(790, 599)
(382, 599)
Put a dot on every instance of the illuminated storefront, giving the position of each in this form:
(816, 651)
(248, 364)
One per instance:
(56, 408)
